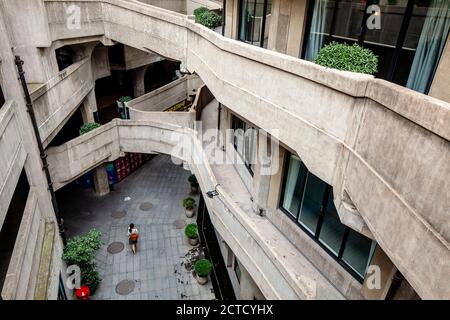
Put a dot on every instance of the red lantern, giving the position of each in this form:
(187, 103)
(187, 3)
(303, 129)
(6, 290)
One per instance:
(82, 293)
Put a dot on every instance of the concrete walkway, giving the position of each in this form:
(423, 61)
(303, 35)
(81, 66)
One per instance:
(158, 270)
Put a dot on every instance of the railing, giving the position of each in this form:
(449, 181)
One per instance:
(55, 101)
(17, 285)
(12, 155)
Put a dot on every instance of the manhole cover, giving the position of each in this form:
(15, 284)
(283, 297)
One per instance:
(125, 287)
(179, 224)
(116, 247)
(118, 214)
(145, 206)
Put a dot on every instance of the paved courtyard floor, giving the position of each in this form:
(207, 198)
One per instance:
(160, 269)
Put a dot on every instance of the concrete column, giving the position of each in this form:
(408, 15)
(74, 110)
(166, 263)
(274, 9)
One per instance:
(29, 32)
(380, 261)
(262, 176)
(249, 289)
(139, 81)
(439, 86)
(232, 19)
(275, 182)
(101, 180)
(88, 107)
(287, 26)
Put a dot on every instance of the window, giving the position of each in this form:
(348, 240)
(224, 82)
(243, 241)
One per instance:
(237, 270)
(408, 44)
(244, 141)
(2, 98)
(308, 201)
(254, 21)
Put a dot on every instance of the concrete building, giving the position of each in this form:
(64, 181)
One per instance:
(351, 202)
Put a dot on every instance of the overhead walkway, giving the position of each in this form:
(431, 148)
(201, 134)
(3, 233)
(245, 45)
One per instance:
(383, 148)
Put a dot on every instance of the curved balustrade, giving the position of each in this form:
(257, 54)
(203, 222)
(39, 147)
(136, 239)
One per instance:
(383, 146)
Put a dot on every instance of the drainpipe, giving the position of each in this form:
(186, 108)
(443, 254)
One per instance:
(43, 155)
(219, 109)
(224, 5)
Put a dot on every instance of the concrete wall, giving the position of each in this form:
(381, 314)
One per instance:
(275, 270)
(18, 149)
(382, 147)
(55, 101)
(327, 118)
(22, 272)
(12, 155)
(162, 98)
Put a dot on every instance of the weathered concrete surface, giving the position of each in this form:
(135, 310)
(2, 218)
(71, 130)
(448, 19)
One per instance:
(330, 110)
(55, 101)
(23, 268)
(12, 155)
(151, 105)
(258, 244)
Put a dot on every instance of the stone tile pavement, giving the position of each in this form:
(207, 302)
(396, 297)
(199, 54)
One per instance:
(158, 270)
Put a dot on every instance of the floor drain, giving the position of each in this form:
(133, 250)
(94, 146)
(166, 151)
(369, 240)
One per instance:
(116, 247)
(179, 224)
(125, 287)
(118, 214)
(146, 206)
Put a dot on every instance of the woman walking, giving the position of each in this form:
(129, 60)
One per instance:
(133, 235)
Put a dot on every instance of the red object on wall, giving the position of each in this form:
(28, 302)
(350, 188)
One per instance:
(82, 293)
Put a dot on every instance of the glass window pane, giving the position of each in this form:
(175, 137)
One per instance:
(392, 14)
(312, 202)
(357, 252)
(332, 230)
(293, 187)
(251, 21)
(349, 17)
(434, 28)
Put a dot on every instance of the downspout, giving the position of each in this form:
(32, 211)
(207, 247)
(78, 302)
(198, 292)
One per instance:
(43, 155)
(224, 6)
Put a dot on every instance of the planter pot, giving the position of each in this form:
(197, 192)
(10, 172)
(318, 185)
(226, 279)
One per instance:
(194, 188)
(201, 280)
(193, 241)
(189, 212)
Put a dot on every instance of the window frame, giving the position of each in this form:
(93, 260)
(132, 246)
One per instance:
(263, 24)
(393, 64)
(245, 126)
(328, 192)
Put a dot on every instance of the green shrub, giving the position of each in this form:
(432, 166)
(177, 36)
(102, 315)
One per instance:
(353, 58)
(203, 267)
(191, 231)
(208, 18)
(188, 203)
(198, 12)
(193, 180)
(80, 251)
(88, 127)
(125, 98)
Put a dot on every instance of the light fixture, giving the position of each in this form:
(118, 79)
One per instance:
(213, 193)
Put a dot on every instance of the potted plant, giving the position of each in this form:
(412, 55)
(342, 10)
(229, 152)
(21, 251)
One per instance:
(85, 128)
(347, 57)
(191, 232)
(80, 251)
(188, 205)
(202, 268)
(194, 184)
